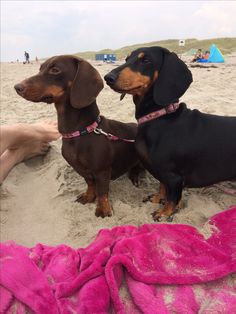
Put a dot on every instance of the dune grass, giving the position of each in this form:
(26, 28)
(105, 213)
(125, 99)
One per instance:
(226, 45)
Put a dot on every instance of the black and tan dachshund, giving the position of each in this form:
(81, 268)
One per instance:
(180, 147)
(72, 84)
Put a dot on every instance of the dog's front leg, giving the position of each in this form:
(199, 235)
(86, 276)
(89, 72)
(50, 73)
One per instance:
(90, 195)
(173, 186)
(102, 179)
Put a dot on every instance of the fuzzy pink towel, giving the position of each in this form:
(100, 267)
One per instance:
(157, 268)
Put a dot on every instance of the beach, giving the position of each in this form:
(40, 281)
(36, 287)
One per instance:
(38, 197)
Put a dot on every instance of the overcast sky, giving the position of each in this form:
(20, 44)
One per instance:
(47, 28)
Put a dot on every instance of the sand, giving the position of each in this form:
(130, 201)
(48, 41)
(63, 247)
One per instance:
(38, 197)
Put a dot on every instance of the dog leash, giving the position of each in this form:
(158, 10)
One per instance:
(94, 128)
(111, 137)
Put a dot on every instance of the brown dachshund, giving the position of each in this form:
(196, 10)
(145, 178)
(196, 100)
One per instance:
(72, 84)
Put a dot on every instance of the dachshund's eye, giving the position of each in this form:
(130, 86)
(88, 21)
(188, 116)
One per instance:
(54, 70)
(145, 60)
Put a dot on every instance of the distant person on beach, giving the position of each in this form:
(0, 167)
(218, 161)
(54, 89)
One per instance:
(22, 141)
(36, 59)
(206, 55)
(198, 55)
(27, 57)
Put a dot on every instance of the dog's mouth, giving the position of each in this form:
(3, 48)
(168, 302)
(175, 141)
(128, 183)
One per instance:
(49, 99)
(35, 97)
(127, 90)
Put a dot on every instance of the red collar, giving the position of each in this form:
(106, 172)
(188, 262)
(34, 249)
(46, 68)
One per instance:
(86, 130)
(157, 114)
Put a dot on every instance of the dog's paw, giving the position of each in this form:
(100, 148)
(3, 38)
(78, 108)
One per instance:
(104, 208)
(85, 198)
(103, 212)
(160, 217)
(155, 199)
(156, 216)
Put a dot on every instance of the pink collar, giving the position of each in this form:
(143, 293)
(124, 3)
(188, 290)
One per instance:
(157, 114)
(86, 130)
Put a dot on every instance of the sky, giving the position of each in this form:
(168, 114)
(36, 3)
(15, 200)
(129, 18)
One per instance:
(47, 28)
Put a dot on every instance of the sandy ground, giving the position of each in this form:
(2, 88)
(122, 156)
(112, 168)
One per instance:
(38, 197)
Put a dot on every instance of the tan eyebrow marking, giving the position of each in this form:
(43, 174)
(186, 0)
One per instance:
(141, 55)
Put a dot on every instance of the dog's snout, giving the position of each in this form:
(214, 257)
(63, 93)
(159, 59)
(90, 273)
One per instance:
(19, 88)
(111, 78)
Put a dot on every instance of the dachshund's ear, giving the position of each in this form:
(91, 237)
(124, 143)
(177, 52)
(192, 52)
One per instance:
(173, 80)
(86, 86)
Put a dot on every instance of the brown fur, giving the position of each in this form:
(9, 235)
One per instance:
(73, 85)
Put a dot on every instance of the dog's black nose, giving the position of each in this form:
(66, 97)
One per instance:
(110, 78)
(19, 88)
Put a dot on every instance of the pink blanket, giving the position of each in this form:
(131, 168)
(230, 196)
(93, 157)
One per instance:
(157, 268)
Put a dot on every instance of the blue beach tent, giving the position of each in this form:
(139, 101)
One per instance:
(215, 56)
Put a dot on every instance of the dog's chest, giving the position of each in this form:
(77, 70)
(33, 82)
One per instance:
(76, 158)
